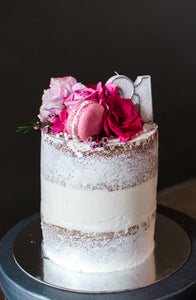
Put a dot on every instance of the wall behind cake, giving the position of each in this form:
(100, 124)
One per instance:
(90, 40)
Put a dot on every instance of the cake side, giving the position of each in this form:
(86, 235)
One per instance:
(71, 186)
(99, 252)
(113, 212)
(78, 157)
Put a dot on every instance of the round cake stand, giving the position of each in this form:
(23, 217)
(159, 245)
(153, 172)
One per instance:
(18, 283)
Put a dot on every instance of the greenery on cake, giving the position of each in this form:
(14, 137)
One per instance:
(34, 125)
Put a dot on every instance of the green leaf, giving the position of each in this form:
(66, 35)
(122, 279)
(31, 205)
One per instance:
(27, 127)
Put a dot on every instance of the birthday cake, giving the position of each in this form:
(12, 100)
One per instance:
(99, 166)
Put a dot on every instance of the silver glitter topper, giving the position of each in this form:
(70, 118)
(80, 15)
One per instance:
(139, 92)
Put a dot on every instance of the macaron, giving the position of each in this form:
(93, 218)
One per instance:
(85, 119)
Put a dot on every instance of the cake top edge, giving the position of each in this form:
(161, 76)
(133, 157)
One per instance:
(95, 113)
(60, 141)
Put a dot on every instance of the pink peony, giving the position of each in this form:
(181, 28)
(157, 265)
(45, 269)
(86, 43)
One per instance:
(60, 122)
(111, 89)
(81, 93)
(121, 118)
(103, 91)
(53, 98)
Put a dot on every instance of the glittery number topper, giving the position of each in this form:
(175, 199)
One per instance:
(139, 92)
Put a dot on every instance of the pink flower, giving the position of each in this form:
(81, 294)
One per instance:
(103, 91)
(111, 89)
(60, 122)
(53, 98)
(81, 93)
(107, 90)
(100, 91)
(121, 118)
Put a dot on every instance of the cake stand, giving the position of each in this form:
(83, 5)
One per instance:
(169, 273)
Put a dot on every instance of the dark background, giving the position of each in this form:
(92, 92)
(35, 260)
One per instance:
(90, 40)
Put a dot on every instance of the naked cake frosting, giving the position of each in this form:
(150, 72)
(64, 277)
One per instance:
(99, 167)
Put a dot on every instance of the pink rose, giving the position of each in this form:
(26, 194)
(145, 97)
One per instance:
(81, 93)
(103, 91)
(60, 122)
(107, 89)
(121, 118)
(52, 99)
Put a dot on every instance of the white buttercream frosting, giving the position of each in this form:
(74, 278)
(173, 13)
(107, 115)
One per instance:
(87, 191)
(142, 275)
(97, 210)
(77, 166)
(80, 149)
(107, 255)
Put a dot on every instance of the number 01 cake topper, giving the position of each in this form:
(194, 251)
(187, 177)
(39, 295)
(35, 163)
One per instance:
(139, 92)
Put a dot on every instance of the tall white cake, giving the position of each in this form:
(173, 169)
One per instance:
(98, 206)
(99, 166)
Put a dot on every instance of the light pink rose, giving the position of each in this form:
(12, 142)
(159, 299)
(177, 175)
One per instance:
(53, 98)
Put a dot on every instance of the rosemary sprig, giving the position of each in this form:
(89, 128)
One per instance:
(26, 128)
(33, 125)
(45, 257)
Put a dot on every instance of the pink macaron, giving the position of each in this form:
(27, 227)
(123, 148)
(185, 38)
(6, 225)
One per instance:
(85, 119)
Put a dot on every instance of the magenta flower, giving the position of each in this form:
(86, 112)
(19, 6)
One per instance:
(105, 91)
(101, 144)
(93, 145)
(104, 139)
(60, 122)
(121, 118)
(45, 129)
(89, 139)
(81, 93)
